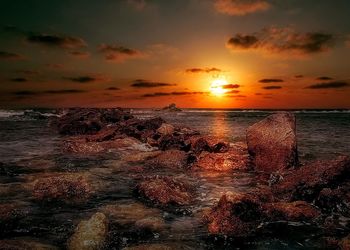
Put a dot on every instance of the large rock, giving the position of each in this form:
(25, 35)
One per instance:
(68, 188)
(272, 142)
(204, 143)
(165, 191)
(90, 234)
(307, 182)
(344, 244)
(235, 215)
(88, 120)
(291, 211)
(175, 159)
(232, 160)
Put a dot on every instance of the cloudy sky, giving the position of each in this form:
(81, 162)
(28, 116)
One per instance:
(196, 53)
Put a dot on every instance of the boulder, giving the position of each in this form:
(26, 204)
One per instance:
(344, 244)
(24, 244)
(165, 191)
(235, 215)
(68, 188)
(175, 159)
(90, 234)
(290, 211)
(272, 143)
(231, 160)
(307, 182)
(88, 120)
(166, 129)
(210, 144)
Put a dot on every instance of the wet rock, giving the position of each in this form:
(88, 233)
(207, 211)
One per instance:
(10, 214)
(79, 145)
(235, 215)
(210, 144)
(90, 234)
(166, 129)
(165, 191)
(88, 121)
(24, 244)
(272, 142)
(307, 182)
(175, 141)
(68, 188)
(228, 161)
(174, 159)
(134, 215)
(135, 157)
(171, 108)
(344, 244)
(291, 211)
(105, 134)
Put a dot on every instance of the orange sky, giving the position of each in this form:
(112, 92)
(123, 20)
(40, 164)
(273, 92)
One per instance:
(149, 53)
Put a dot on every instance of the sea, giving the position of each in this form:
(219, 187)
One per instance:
(30, 149)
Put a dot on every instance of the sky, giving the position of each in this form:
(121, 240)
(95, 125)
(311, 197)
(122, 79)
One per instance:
(279, 54)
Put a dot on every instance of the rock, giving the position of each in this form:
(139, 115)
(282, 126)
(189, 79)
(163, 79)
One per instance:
(334, 200)
(88, 121)
(79, 145)
(164, 191)
(175, 159)
(105, 134)
(306, 182)
(291, 211)
(175, 141)
(166, 129)
(69, 188)
(344, 244)
(151, 223)
(171, 108)
(235, 215)
(24, 244)
(10, 214)
(228, 161)
(210, 144)
(128, 213)
(157, 246)
(272, 143)
(90, 234)
(136, 157)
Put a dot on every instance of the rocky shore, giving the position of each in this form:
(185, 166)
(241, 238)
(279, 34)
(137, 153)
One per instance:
(286, 190)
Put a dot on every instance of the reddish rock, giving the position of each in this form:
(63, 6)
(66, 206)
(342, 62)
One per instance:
(231, 160)
(24, 244)
(306, 182)
(105, 134)
(200, 143)
(80, 146)
(291, 211)
(235, 215)
(62, 188)
(272, 143)
(175, 141)
(166, 129)
(87, 120)
(175, 159)
(10, 214)
(344, 244)
(165, 191)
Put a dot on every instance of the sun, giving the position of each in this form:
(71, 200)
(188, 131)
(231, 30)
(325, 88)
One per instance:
(217, 87)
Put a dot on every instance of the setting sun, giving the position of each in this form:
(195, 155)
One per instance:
(217, 87)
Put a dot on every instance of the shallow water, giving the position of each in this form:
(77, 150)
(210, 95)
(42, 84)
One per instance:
(30, 149)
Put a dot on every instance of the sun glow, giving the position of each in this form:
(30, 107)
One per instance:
(217, 87)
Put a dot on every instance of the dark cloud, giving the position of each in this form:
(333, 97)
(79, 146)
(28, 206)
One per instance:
(112, 88)
(28, 72)
(240, 7)
(158, 94)
(231, 86)
(233, 92)
(238, 96)
(80, 54)
(10, 56)
(56, 40)
(203, 70)
(299, 76)
(119, 53)
(64, 91)
(269, 80)
(140, 83)
(137, 4)
(324, 78)
(60, 91)
(55, 65)
(329, 85)
(272, 87)
(84, 79)
(25, 93)
(283, 40)
(19, 79)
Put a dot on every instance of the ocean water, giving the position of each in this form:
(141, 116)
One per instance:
(29, 149)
